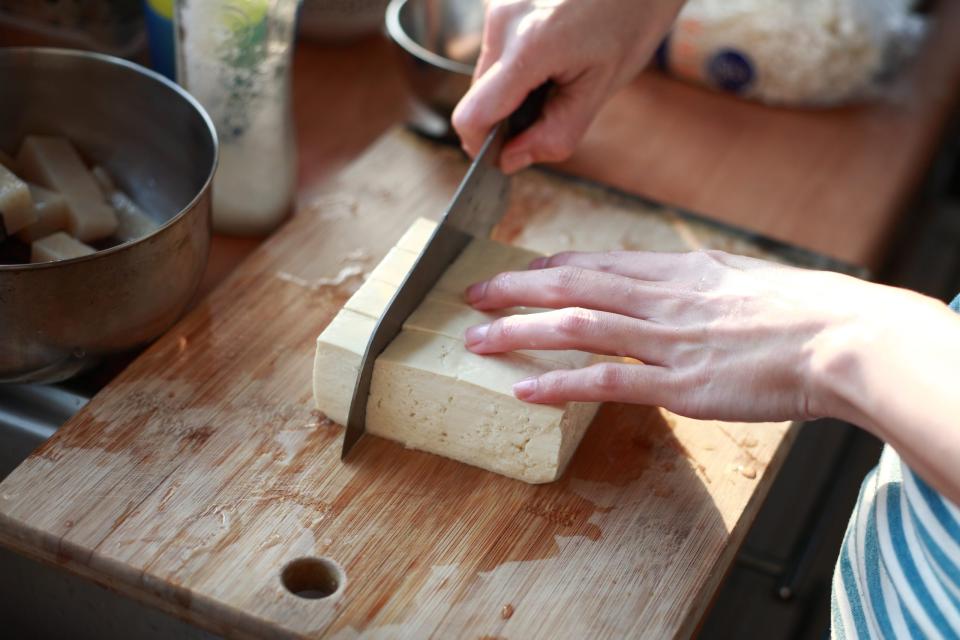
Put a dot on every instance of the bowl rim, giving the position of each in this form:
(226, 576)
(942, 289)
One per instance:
(12, 52)
(397, 33)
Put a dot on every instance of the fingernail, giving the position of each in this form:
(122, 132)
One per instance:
(475, 292)
(538, 263)
(516, 161)
(525, 389)
(477, 334)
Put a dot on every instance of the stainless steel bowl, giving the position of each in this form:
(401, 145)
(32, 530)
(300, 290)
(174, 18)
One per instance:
(439, 42)
(161, 147)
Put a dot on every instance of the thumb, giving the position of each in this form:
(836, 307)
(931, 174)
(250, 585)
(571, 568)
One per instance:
(493, 97)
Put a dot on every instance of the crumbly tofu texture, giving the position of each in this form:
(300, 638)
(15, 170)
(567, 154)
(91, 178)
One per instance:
(429, 392)
(54, 163)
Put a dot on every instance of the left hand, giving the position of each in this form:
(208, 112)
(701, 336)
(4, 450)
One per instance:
(719, 336)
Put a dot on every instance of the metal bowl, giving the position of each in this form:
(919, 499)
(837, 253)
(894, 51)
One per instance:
(160, 146)
(439, 42)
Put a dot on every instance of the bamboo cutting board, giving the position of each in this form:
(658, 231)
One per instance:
(203, 470)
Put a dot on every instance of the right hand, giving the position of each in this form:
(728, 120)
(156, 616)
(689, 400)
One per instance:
(588, 48)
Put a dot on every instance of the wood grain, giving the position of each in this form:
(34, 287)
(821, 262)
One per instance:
(202, 470)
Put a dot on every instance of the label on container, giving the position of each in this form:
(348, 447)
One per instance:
(690, 52)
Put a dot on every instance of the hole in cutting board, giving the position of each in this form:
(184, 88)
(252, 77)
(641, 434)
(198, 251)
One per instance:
(312, 578)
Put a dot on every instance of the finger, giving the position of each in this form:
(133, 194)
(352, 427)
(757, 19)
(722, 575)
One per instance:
(569, 287)
(574, 328)
(604, 382)
(491, 45)
(641, 265)
(499, 23)
(700, 267)
(492, 98)
(555, 135)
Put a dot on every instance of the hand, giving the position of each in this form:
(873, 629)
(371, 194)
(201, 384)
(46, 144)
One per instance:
(719, 336)
(589, 48)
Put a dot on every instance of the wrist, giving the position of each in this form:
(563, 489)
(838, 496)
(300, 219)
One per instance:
(861, 360)
(839, 356)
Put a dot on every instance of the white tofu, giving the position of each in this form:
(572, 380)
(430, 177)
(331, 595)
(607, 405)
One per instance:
(415, 238)
(447, 317)
(53, 163)
(482, 259)
(58, 246)
(51, 214)
(104, 181)
(16, 205)
(132, 222)
(394, 267)
(429, 392)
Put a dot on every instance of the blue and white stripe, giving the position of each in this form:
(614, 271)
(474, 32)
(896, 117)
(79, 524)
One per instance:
(898, 573)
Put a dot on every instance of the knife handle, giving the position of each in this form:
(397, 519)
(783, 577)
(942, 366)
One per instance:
(529, 110)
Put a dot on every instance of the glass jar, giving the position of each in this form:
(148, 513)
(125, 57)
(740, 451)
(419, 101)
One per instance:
(235, 57)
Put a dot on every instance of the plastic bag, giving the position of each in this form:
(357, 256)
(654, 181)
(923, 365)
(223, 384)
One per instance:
(793, 52)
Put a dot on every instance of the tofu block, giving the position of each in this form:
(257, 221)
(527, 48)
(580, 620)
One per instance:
(104, 181)
(416, 237)
(53, 163)
(429, 392)
(58, 246)
(16, 205)
(51, 214)
(394, 267)
(132, 222)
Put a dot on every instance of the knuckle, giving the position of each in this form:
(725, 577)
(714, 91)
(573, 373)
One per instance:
(557, 146)
(566, 279)
(607, 377)
(551, 383)
(559, 259)
(709, 257)
(504, 330)
(576, 322)
(500, 284)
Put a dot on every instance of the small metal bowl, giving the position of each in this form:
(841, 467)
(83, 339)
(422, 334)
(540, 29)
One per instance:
(439, 41)
(158, 143)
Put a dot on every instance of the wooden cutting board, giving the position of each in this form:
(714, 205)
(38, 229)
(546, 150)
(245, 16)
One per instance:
(201, 471)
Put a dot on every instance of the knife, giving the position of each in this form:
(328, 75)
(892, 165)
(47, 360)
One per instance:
(477, 206)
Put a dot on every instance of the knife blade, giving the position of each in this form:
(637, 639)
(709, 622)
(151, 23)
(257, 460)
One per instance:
(478, 204)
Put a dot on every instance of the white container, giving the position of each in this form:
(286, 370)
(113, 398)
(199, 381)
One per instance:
(235, 57)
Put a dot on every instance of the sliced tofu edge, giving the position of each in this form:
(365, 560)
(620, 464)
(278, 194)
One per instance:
(58, 246)
(16, 204)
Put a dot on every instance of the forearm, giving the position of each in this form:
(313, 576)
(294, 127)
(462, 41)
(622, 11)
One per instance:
(899, 378)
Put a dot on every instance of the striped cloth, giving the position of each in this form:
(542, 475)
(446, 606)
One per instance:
(898, 573)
